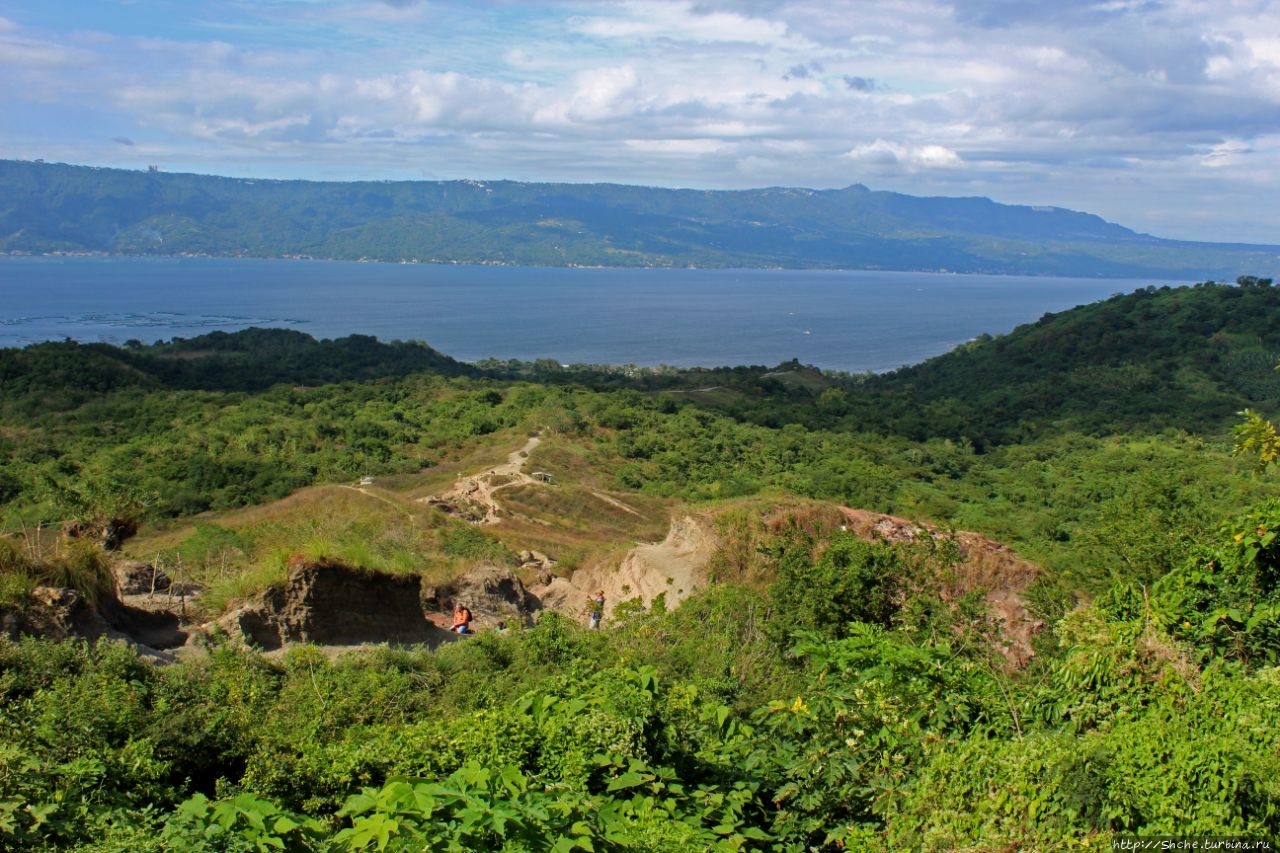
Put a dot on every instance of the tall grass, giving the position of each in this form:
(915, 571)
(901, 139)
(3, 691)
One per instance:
(17, 575)
(270, 569)
(81, 565)
(75, 563)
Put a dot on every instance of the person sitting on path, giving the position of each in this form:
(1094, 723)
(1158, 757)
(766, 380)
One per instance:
(595, 605)
(461, 620)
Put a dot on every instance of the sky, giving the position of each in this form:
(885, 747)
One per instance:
(1163, 116)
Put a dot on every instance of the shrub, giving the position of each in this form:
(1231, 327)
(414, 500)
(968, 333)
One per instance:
(849, 581)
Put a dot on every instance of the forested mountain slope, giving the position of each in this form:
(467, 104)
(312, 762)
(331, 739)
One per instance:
(1187, 358)
(60, 208)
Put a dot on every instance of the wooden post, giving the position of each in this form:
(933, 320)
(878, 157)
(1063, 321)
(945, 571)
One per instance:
(182, 591)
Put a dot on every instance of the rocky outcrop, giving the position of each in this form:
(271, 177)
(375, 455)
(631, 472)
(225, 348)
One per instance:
(673, 569)
(59, 613)
(493, 594)
(138, 578)
(330, 604)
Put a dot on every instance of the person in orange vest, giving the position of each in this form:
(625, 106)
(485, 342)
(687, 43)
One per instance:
(461, 620)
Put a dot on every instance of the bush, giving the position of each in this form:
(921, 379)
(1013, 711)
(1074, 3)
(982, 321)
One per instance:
(849, 581)
(1225, 600)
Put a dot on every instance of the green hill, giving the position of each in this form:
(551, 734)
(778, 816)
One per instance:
(1186, 358)
(823, 693)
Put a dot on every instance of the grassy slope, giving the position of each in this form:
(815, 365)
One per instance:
(987, 438)
(388, 526)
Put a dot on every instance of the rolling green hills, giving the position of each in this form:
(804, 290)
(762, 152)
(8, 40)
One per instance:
(825, 692)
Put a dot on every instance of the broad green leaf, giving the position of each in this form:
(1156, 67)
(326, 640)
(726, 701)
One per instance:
(284, 825)
(629, 779)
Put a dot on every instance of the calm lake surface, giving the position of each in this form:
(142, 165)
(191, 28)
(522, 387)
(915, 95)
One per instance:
(853, 321)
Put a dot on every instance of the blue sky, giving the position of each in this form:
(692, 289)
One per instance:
(1162, 116)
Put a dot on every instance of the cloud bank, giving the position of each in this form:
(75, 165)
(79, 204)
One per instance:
(1163, 116)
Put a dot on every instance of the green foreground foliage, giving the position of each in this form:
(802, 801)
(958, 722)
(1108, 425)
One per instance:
(748, 726)
(826, 694)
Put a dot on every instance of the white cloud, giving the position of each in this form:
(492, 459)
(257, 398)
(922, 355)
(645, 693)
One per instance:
(678, 146)
(602, 93)
(1232, 152)
(1084, 103)
(891, 156)
(29, 55)
(680, 22)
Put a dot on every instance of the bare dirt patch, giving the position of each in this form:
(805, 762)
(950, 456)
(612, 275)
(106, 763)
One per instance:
(674, 568)
(472, 496)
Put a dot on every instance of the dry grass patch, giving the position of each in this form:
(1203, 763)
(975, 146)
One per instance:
(588, 514)
(571, 463)
(72, 563)
(237, 554)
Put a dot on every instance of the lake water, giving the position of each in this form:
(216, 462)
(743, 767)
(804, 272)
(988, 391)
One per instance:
(852, 321)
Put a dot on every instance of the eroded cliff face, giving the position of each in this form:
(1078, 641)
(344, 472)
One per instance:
(59, 613)
(56, 613)
(329, 604)
(334, 605)
(674, 569)
(321, 603)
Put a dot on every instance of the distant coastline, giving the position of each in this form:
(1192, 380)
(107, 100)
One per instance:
(62, 210)
(421, 262)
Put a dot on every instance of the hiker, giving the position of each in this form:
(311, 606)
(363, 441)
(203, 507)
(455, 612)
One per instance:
(595, 606)
(461, 620)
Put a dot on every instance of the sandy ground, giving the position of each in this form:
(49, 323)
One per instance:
(676, 566)
(473, 496)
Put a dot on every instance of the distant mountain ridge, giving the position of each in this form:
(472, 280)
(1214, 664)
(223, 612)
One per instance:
(53, 208)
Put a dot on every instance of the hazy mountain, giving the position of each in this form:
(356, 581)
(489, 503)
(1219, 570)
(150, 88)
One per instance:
(60, 208)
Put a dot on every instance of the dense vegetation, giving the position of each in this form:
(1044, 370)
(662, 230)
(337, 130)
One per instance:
(827, 693)
(59, 208)
(1054, 448)
(728, 724)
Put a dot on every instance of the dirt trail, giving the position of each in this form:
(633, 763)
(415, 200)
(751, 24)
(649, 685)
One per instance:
(674, 567)
(364, 490)
(472, 497)
(615, 502)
